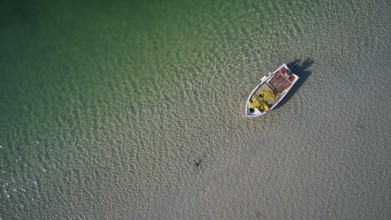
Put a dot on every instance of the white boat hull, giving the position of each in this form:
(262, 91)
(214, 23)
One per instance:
(270, 91)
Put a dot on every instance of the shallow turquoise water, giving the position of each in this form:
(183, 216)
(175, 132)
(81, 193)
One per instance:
(106, 107)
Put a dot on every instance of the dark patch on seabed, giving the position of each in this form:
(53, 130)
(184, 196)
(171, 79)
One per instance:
(15, 12)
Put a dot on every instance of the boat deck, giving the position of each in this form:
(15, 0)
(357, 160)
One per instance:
(280, 82)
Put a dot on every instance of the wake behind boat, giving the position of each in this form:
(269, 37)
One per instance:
(270, 91)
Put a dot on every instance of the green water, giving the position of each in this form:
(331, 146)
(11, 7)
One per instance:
(106, 107)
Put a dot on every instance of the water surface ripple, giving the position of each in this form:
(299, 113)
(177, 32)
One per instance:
(134, 110)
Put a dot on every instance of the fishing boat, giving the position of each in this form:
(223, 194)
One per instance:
(270, 91)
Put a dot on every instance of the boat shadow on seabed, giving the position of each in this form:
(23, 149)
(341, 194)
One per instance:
(300, 69)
